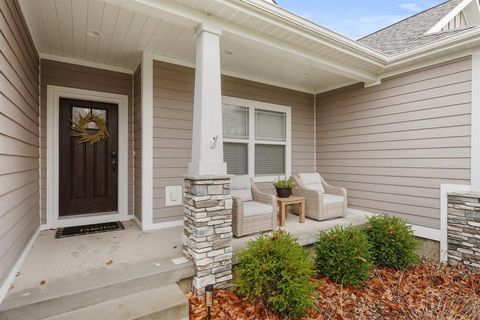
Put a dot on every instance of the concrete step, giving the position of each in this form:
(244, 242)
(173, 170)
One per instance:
(165, 303)
(93, 288)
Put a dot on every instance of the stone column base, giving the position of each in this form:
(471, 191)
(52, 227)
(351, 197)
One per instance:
(463, 229)
(208, 230)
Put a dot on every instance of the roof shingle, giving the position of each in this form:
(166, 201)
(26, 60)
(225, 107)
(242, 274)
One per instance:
(410, 33)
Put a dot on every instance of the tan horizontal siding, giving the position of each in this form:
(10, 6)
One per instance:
(172, 133)
(173, 114)
(137, 105)
(19, 137)
(88, 78)
(392, 145)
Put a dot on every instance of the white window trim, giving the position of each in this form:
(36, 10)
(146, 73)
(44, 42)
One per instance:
(251, 104)
(54, 93)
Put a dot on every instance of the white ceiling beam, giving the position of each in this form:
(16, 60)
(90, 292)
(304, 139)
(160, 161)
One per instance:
(164, 9)
(323, 63)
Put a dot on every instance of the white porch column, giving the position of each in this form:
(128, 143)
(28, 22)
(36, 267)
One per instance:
(147, 140)
(207, 203)
(207, 140)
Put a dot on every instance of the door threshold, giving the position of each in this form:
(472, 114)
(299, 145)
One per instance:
(84, 219)
(87, 215)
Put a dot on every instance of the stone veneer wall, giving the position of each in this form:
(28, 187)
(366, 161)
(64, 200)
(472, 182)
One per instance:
(207, 238)
(463, 229)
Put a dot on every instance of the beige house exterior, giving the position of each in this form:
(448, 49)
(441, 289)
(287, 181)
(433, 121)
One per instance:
(397, 128)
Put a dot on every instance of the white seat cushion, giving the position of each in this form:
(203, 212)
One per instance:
(241, 187)
(332, 199)
(312, 181)
(252, 208)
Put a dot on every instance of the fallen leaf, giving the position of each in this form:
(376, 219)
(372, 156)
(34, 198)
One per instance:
(43, 282)
(429, 291)
(109, 262)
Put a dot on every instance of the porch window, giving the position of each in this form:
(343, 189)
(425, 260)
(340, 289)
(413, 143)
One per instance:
(256, 139)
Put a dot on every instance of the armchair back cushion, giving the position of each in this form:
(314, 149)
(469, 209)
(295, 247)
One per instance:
(311, 181)
(241, 187)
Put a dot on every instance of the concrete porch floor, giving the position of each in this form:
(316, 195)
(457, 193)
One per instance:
(57, 267)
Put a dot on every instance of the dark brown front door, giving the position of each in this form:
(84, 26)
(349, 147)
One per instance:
(88, 171)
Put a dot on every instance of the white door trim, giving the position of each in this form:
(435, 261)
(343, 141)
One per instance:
(54, 93)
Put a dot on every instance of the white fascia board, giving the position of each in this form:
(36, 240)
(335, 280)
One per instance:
(446, 19)
(425, 64)
(309, 29)
(469, 38)
(188, 64)
(334, 87)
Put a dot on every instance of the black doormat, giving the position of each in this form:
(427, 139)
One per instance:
(88, 229)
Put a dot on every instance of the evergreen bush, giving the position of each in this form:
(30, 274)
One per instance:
(276, 270)
(392, 243)
(343, 255)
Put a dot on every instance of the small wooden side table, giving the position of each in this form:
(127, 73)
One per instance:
(282, 208)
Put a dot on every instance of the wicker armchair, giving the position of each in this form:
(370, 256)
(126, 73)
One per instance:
(322, 201)
(252, 210)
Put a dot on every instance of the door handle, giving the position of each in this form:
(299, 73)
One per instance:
(114, 161)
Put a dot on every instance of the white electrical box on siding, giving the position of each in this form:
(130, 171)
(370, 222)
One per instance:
(173, 196)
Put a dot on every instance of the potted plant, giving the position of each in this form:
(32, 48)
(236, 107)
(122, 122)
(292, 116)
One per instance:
(284, 187)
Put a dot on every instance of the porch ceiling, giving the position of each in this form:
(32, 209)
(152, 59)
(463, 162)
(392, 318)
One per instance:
(64, 29)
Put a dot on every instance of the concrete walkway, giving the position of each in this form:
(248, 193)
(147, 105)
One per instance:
(51, 259)
(116, 261)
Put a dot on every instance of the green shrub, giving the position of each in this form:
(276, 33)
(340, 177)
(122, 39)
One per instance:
(278, 271)
(343, 255)
(392, 243)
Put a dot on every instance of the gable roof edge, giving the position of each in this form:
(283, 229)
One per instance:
(452, 14)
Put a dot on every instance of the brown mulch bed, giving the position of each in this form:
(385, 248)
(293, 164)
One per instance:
(429, 291)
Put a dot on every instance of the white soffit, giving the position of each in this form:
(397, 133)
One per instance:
(245, 57)
(64, 29)
(67, 29)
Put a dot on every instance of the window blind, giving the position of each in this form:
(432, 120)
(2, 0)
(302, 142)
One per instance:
(269, 159)
(235, 156)
(270, 125)
(235, 122)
